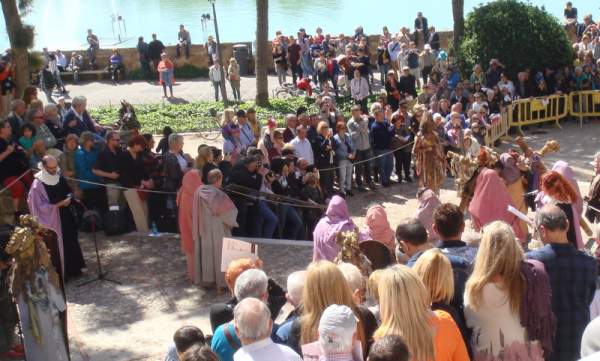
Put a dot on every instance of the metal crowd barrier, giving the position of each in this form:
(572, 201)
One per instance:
(498, 129)
(585, 103)
(524, 112)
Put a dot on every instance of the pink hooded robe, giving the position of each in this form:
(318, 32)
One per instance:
(336, 219)
(490, 203)
(192, 180)
(428, 202)
(378, 228)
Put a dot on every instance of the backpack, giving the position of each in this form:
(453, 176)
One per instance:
(115, 222)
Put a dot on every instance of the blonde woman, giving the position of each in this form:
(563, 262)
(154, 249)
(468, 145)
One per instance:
(233, 74)
(325, 285)
(493, 300)
(228, 117)
(435, 270)
(405, 311)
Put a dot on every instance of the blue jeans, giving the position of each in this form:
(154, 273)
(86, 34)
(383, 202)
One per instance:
(384, 164)
(291, 223)
(267, 222)
(306, 64)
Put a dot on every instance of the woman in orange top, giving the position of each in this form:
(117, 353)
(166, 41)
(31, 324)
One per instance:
(405, 310)
(165, 73)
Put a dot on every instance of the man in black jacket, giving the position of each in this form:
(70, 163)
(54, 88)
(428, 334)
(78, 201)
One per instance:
(421, 29)
(155, 48)
(408, 83)
(245, 174)
(434, 40)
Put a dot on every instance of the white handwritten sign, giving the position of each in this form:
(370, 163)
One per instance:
(235, 249)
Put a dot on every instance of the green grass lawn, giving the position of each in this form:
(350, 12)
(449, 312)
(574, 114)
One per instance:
(196, 116)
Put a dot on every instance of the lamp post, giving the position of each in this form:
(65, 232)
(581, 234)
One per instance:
(223, 89)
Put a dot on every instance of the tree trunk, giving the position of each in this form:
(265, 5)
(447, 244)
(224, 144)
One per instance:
(19, 37)
(263, 57)
(458, 8)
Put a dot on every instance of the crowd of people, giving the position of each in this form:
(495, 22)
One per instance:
(292, 183)
(488, 299)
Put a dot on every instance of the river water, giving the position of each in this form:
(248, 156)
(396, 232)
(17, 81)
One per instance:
(63, 23)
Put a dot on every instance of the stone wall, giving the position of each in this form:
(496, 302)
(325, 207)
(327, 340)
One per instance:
(199, 55)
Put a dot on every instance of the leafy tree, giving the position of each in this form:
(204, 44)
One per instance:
(263, 55)
(520, 35)
(21, 39)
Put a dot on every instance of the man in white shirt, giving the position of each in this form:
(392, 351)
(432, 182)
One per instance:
(61, 60)
(394, 48)
(214, 74)
(253, 324)
(302, 147)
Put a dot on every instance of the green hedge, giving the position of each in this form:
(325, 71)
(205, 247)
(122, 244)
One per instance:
(196, 116)
(520, 35)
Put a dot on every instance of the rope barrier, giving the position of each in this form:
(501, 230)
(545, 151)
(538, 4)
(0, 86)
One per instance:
(267, 196)
(372, 158)
(15, 181)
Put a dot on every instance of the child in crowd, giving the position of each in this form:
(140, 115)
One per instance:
(163, 144)
(27, 137)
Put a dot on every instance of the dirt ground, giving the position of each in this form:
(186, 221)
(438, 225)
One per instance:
(136, 320)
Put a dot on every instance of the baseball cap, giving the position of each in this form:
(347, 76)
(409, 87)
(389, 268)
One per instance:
(240, 113)
(336, 321)
(427, 47)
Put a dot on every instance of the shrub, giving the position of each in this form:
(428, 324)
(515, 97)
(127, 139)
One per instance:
(520, 35)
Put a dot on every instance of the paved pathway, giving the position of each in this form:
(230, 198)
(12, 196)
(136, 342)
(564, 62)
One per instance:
(138, 92)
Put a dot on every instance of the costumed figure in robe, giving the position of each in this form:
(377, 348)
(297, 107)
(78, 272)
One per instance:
(350, 251)
(430, 160)
(9, 317)
(36, 286)
(512, 172)
(428, 202)
(336, 219)
(490, 203)
(558, 190)
(466, 169)
(593, 198)
(214, 215)
(192, 180)
(49, 201)
(534, 159)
